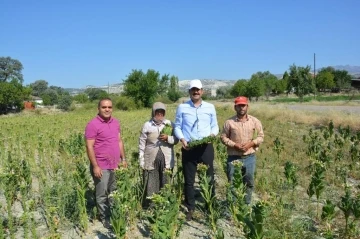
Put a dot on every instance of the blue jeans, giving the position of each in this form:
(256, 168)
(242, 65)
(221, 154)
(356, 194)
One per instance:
(248, 171)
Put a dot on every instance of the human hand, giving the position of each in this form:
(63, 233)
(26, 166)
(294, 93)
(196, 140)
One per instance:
(97, 172)
(184, 144)
(243, 147)
(163, 137)
(247, 146)
(124, 163)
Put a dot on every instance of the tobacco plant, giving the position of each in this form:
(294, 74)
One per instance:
(290, 174)
(350, 206)
(213, 208)
(206, 140)
(167, 129)
(120, 203)
(254, 221)
(82, 180)
(236, 194)
(317, 182)
(163, 217)
(278, 147)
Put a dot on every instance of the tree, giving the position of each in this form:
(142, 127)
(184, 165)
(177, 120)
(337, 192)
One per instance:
(239, 88)
(301, 81)
(12, 92)
(282, 84)
(96, 94)
(50, 97)
(163, 84)
(142, 87)
(10, 69)
(342, 79)
(255, 87)
(39, 87)
(269, 82)
(223, 92)
(59, 90)
(12, 95)
(173, 92)
(65, 101)
(81, 98)
(324, 81)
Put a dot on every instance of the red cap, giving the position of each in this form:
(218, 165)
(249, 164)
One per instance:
(241, 100)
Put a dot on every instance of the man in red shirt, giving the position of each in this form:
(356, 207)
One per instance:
(105, 150)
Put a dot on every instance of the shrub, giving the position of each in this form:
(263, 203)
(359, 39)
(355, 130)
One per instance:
(64, 102)
(163, 99)
(125, 103)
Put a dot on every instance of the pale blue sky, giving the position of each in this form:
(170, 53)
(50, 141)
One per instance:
(74, 43)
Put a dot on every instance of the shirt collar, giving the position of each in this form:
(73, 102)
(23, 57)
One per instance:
(193, 105)
(238, 120)
(102, 120)
(153, 122)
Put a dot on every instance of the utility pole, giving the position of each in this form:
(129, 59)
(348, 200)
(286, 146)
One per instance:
(314, 75)
(314, 66)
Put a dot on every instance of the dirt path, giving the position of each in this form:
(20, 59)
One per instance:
(323, 108)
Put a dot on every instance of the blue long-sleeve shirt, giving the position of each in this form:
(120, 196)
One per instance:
(193, 123)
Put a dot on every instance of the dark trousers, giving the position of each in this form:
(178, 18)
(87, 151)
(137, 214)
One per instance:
(190, 159)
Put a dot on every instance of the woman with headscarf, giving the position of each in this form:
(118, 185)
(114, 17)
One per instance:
(156, 150)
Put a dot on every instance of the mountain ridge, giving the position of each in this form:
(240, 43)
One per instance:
(208, 84)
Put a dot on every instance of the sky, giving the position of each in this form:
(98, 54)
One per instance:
(75, 43)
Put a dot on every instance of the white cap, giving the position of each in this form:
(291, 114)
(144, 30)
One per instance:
(195, 84)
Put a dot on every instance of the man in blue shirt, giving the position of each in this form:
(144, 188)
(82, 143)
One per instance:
(195, 119)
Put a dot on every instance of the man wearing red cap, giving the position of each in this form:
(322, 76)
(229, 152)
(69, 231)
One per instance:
(242, 134)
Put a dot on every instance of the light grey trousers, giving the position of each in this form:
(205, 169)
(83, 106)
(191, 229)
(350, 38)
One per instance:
(103, 187)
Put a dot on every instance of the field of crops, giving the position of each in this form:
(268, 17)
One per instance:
(307, 182)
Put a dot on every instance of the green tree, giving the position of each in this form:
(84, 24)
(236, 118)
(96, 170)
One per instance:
(81, 98)
(65, 101)
(142, 87)
(59, 90)
(342, 79)
(163, 84)
(96, 94)
(224, 92)
(10, 69)
(324, 81)
(173, 92)
(269, 82)
(12, 94)
(255, 87)
(39, 87)
(239, 88)
(50, 97)
(300, 81)
(281, 85)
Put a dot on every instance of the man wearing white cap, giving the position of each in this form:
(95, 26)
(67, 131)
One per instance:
(195, 119)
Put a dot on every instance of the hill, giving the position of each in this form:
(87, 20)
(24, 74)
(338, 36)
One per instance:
(210, 85)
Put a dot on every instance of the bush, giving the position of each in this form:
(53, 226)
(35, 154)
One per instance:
(163, 99)
(174, 95)
(65, 102)
(125, 103)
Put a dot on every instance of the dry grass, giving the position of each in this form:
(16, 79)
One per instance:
(281, 113)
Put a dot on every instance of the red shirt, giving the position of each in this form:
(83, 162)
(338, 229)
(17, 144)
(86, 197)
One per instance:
(106, 135)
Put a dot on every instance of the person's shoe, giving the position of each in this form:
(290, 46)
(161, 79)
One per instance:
(106, 223)
(189, 215)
